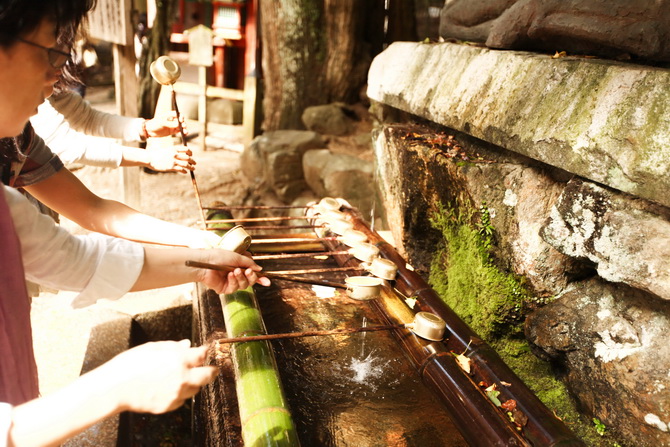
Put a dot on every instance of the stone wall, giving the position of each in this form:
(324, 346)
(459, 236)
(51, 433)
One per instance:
(564, 161)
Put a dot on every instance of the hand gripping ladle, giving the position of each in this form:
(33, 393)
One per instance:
(166, 72)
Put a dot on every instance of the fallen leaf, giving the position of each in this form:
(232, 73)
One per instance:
(464, 362)
(559, 55)
(509, 405)
(502, 382)
(493, 394)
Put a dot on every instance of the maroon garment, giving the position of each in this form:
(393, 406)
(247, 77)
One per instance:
(18, 371)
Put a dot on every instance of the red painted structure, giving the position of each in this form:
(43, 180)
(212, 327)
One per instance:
(235, 40)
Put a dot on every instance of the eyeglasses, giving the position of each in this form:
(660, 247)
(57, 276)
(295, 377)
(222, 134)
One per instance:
(57, 58)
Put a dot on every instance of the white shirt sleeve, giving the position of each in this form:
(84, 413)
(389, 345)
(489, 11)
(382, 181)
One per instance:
(71, 145)
(96, 265)
(5, 423)
(84, 118)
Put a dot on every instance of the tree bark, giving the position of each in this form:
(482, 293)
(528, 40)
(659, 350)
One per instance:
(158, 42)
(315, 52)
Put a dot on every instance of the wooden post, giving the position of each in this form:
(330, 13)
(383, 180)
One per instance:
(125, 81)
(110, 21)
(200, 50)
(251, 118)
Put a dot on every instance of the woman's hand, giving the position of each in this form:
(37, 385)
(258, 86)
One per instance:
(164, 125)
(158, 377)
(242, 272)
(173, 159)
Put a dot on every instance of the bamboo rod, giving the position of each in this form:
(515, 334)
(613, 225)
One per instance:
(305, 280)
(284, 240)
(323, 270)
(310, 333)
(297, 255)
(257, 219)
(257, 207)
(310, 236)
(279, 227)
(294, 248)
(183, 142)
(269, 274)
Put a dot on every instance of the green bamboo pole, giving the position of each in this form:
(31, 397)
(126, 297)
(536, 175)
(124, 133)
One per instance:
(264, 413)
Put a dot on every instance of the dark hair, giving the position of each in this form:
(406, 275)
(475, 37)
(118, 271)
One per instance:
(18, 17)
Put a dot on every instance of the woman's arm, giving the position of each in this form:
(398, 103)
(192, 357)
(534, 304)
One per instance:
(73, 146)
(152, 378)
(165, 267)
(66, 194)
(103, 267)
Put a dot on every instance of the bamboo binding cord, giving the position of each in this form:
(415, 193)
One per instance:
(166, 72)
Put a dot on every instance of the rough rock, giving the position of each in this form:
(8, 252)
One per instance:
(518, 198)
(628, 240)
(340, 175)
(604, 121)
(275, 160)
(224, 111)
(604, 28)
(612, 342)
(328, 119)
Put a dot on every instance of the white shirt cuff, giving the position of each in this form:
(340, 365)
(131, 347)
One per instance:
(116, 273)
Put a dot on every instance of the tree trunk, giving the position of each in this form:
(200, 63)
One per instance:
(158, 42)
(315, 52)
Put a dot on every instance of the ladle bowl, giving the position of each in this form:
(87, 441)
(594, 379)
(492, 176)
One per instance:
(428, 325)
(365, 251)
(236, 239)
(329, 203)
(353, 237)
(363, 288)
(165, 70)
(330, 215)
(383, 268)
(339, 226)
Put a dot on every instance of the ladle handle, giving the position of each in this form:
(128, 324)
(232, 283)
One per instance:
(287, 277)
(308, 334)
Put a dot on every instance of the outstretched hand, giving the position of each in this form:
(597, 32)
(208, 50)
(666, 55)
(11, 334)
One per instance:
(242, 273)
(158, 377)
(172, 159)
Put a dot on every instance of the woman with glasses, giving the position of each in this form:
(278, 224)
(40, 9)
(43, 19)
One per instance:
(155, 377)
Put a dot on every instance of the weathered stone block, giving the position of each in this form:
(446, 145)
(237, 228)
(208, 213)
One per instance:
(340, 175)
(275, 159)
(612, 341)
(224, 111)
(605, 121)
(518, 198)
(612, 28)
(628, 240)
(327, 119)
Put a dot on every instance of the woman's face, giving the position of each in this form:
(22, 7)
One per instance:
(25, 76)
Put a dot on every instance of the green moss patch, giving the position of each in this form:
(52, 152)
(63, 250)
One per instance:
(492, 302)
